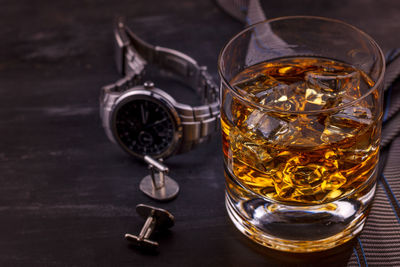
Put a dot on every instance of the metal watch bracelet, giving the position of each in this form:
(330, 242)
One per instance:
(133, 54)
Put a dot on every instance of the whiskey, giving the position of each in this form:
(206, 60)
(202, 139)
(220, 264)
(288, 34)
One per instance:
(310, 138)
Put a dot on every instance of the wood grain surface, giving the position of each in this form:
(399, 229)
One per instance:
(68, 195)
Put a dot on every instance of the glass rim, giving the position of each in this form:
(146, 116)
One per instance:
(378, 82)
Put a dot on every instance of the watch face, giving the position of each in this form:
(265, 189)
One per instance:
(144, 127)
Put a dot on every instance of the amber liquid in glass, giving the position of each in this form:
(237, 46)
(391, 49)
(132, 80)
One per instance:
(312, 157)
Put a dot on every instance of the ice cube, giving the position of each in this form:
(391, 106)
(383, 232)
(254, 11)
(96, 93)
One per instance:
(269, 127)
(327, 89)
(285, 97)
(257, 88)
(264, 125)
(318, 100)
(333, 82)
(349, 122)
(249, 150)
(272, 95)
(302, 131)
(254, 119)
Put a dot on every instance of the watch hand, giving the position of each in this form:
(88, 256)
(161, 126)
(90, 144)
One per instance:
(144, 114)
(155, 123)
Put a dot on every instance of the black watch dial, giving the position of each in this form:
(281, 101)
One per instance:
(144, 127)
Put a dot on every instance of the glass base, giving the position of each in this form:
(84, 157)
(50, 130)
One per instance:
(298, 228)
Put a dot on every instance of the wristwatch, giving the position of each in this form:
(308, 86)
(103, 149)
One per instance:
(145, 120)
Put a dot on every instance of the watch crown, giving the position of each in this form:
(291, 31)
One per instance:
(148, 85)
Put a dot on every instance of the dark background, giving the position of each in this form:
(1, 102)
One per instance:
(68, 195)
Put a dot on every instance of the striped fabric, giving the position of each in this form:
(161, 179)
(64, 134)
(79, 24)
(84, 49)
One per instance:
(379, 242)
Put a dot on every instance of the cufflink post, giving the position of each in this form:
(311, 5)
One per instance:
(158, 185)
(156, 219)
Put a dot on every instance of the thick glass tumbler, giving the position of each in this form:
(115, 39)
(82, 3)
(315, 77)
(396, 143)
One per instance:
(301, 123)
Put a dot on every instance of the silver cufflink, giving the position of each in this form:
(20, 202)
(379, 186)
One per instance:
(156, 218)
(158, 185)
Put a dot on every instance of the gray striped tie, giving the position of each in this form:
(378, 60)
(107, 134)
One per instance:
(379, 242)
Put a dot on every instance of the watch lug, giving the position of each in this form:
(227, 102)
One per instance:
(121, 42)
(129, 50)
(134, 63)
(106, 107)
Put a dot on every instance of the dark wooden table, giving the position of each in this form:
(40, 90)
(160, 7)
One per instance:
(67, 195)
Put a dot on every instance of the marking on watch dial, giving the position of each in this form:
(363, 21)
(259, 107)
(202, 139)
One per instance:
(144, 127)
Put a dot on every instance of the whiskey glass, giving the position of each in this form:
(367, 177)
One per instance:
(301, 115)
